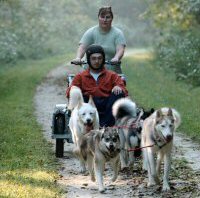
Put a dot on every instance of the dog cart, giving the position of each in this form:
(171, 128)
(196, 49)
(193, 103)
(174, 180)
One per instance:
(60, 120)
(60, 124)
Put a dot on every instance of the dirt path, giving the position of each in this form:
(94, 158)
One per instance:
(184, 180)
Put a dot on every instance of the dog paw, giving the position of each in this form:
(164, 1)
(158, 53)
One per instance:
(157, 180)
(102, 190)
(113, 178)
(85, 173)
(93, 178)
(153, 180)
(124, 169)
(131, 163)
(165, 187)
(83, 170)
(151, 183)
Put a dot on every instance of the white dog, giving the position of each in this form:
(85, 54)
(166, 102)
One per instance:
(84, 118)
(157, 137)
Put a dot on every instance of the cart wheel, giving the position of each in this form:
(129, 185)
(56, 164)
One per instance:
(60, 142)
(59, 147)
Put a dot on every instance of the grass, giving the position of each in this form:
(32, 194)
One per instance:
(28, 166)
(154, 87)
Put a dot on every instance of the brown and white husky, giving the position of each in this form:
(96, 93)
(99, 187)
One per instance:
(157, 136)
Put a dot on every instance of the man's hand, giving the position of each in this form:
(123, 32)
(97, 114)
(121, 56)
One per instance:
(115, 60)
(117, 90)
(76, 61)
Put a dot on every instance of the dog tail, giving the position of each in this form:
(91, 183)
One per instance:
(124, 107)
(75, 97)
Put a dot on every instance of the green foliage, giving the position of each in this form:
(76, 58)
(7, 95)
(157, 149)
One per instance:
(33, 29)
(177, 41)
(182, 54)
(8, 44)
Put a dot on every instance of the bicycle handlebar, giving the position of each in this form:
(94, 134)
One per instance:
(79, 63)
(85, 62)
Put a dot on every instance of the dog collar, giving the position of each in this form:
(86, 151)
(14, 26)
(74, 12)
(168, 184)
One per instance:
(107, 154)
(158, 139)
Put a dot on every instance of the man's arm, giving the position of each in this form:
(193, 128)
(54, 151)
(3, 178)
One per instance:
(118, 85)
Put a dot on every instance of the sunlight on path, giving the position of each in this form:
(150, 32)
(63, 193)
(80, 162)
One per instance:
(139, 53)
(189, 150)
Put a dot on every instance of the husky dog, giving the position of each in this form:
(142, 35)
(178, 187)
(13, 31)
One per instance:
(157, 137)
(125, 113)
(129, 118)
(99, 147)
(84, 117)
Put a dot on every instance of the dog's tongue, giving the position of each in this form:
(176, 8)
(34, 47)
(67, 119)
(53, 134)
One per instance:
(88, 127)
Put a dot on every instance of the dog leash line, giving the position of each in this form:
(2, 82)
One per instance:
(125, 126)
(135, 149)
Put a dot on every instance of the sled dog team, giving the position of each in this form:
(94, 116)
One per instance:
(134, 128)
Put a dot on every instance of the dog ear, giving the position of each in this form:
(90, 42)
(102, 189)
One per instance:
(116, 129)
(158, 113)
(170, 113)
(117, 132)
(91, 101)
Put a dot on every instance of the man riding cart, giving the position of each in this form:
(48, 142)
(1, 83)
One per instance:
(103, 85)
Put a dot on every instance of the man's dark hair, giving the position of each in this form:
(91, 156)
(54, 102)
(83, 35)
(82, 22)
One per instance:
(92, 49)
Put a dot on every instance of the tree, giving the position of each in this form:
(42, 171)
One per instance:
(177, 40)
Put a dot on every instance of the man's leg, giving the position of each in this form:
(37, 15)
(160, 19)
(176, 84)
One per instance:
(108, 119)
(104, 107)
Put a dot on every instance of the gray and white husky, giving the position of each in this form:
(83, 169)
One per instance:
(129, 118)
(99, 147)
(125, 113)
(84, 117)
(157, 137)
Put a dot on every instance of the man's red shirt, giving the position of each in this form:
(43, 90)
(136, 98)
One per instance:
(100, 88)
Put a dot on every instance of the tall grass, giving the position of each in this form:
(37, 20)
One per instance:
(151, 86)
(27, 165)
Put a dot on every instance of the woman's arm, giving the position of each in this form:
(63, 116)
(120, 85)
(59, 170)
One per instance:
(119, 53)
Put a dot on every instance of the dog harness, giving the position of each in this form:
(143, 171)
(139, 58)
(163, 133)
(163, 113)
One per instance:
(158, 139)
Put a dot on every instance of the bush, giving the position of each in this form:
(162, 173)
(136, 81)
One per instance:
(177, 44)
(181, 52)
(8, 46)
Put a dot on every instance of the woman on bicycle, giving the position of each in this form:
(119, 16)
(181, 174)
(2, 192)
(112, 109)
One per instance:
(109, 37)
